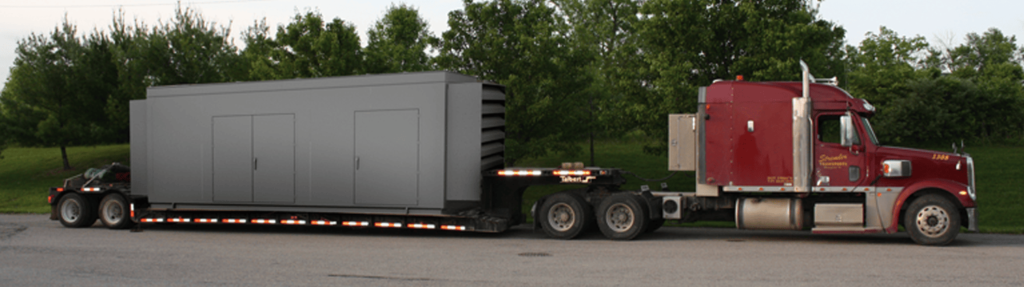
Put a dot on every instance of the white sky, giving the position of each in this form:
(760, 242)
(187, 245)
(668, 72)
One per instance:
(939, 21)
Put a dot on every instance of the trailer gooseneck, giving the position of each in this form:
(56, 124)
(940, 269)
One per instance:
(426, 151)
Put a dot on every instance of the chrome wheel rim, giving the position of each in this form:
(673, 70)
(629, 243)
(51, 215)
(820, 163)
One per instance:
(113, 212)
(932, 221)
(561, 217)
(70, 210)
(619, 217)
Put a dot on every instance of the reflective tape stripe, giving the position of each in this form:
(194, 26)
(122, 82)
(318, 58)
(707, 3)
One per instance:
(420, 225)
(323, 222)
(355, 223)
(205, 220)
(232, 220)
(453, 227)
(388, 224)
(179, 220)
(293, 221)
(263, 221)
(152, 220)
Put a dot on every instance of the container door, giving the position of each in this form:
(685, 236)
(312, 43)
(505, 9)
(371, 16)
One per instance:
(273, 152)
(838, 162)
(386, 157)
(232, 159)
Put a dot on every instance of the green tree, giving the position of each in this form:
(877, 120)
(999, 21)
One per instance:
(305, 48)
(605, 29)
(689, 43)
(129, 44)
(56, 91)
(523, 45)
(190, 50)
(881, 68)
(398, 42)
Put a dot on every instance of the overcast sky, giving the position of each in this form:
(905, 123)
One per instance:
(942, 22)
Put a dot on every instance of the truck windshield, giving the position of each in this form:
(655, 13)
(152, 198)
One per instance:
(870, 131)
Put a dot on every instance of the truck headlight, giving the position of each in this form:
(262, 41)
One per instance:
(895, 168)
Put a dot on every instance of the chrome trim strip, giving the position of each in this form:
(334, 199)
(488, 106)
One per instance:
(972, 219)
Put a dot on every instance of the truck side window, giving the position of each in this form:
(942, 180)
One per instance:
(828, 130)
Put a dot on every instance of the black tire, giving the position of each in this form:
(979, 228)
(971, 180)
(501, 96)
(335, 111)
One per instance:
(75, 210)
(622, 216)
(654, 224)
(932, 220)
(564, 215)
(114, 212)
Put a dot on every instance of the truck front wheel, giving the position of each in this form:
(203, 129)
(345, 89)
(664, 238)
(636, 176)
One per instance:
(76, 211)
(564, 215)
(622, 216)
(114, 212)
(932, 220)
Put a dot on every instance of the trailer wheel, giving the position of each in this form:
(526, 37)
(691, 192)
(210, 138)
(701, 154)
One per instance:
(76, 211)
(622, 216)
(932, 220)
(564, 215)
(114, 212)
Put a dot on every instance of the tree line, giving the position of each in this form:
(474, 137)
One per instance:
(574, 69)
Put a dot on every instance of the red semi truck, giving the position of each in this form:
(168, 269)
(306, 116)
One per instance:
(767, 155)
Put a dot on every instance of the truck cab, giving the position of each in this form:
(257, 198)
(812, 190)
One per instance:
(804, 154)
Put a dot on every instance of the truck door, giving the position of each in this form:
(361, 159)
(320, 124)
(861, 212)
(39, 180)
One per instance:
(839, 159)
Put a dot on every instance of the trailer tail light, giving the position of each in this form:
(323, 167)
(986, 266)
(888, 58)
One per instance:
(323, 222)
(356, 223)
(179, 220)
(90, 189)
(572, 172)
(205, 220)
(388, 224)
(151, 220)
(420, 226)
(454, 227)
(233, 220)
(293, 222)
(132, 208)
(49, 199)
(60, 189)
(520, 172)
(263, 221)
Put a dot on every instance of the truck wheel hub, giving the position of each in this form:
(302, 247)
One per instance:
(561, 217)
(932, 221)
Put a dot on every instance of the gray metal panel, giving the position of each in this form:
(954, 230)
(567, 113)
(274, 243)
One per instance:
(232, 159)
(387, 157)
(273, 149)
(682, 142)
(462, 159)
(309, 84)
(180, 136)
(139, 164)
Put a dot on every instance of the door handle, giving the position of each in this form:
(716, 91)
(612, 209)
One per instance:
(357, 163)
(256, 163)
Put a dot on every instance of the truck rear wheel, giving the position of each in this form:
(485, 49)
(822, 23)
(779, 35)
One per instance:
(932, 220)
(564, 215)
(114, 212)
(622, 216)
(76, 211)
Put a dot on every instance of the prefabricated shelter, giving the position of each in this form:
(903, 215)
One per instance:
(411, 143)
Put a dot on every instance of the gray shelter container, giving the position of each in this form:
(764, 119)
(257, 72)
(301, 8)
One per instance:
(411, 143)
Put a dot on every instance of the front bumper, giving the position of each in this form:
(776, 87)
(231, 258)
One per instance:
(972, 219)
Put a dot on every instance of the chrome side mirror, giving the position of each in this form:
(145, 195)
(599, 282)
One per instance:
(847, 132)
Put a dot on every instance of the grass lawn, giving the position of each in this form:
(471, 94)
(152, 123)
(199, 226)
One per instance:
(26, 174)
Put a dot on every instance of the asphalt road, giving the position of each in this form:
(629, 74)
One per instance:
(35, 251)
